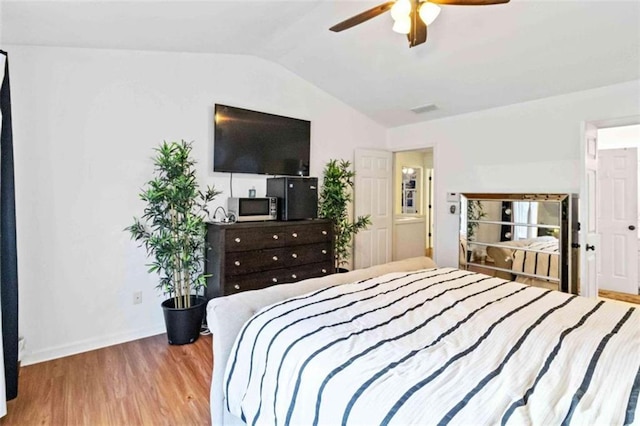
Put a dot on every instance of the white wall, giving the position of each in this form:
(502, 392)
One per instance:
(528, 147)
(85, 123)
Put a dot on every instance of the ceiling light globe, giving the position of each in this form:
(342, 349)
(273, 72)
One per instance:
(429, 12)
(401, 9)
(402, 26)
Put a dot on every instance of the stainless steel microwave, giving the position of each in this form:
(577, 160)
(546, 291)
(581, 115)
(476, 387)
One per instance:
(247, 209)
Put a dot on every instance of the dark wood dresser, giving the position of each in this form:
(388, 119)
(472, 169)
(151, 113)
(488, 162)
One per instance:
(254, 255)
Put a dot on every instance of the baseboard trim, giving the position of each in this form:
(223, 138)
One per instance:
(88, 345)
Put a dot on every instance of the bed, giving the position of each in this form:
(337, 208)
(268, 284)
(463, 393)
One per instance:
(410, 343)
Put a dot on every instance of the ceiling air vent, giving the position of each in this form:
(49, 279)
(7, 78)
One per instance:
(424, 108)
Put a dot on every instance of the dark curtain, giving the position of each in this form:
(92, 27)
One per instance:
(8, 256)
(506, 231)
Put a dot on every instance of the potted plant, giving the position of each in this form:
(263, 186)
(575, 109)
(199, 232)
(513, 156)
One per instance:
(475, 211)
(172, 230)
(333, 203)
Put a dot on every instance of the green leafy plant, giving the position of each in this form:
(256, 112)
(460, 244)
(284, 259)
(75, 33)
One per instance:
(475, 211)
(172, 228)
(334, 199)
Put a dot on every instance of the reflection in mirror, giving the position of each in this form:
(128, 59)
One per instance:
(515, 238)
(411, 190)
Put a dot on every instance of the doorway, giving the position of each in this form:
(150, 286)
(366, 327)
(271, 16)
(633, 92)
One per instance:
(413, 203)
(617, 210)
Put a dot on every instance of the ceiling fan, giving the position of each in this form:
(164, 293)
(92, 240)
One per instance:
(411, 16)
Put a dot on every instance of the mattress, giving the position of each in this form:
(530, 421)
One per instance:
(436, 346)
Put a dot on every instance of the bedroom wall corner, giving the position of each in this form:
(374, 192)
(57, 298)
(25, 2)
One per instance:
(527, 147)
(85, 124)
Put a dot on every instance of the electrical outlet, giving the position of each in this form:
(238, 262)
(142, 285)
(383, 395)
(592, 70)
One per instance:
(137, 297)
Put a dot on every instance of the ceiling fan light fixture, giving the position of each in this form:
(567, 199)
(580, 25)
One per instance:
(401, 9)
(429, 12)
(402, 25)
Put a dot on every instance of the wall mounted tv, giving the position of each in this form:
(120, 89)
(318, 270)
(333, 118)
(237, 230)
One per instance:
(256, 142)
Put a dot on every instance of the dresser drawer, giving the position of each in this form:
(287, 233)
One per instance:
(311, 271)
(246, 262)
(255, 281)
(253, 239)
(303, 233)
(310, 253)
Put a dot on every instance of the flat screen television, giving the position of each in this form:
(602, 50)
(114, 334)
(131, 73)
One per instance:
(256, 142)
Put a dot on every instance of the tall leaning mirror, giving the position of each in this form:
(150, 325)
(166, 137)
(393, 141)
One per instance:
(411, 190)
(527, 238)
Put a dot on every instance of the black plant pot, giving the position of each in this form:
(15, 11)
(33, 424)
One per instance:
(342, 270)
(183, 325)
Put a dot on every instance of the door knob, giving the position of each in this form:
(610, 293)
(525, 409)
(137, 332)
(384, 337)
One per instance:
(590, 247)
(632, 228)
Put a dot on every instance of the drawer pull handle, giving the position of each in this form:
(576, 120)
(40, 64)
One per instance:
(237, 287)
(237, 240)
(294, 276)
(275, 237)
(324, 232)
(275, 258)
(324, 251)
(294, 235)
(324, 271)
(237, 263)
(295, 256)
(275, 280)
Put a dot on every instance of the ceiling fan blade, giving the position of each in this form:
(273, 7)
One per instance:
(469, 2)
(362, 17)
(418, 33)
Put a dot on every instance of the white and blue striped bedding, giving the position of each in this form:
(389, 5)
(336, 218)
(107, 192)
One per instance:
(544, 264)
(435, 347)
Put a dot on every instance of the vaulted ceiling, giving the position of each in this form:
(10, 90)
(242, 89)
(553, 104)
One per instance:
(475, 57)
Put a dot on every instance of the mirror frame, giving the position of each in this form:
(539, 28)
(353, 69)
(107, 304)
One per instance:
(567, 239)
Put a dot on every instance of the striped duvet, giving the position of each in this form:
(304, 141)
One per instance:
(437, 346)
(545, 264)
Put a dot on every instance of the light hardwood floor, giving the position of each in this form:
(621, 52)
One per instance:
(144, 382)
(623, 297)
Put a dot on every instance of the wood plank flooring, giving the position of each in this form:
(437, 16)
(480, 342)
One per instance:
(623, 297)
(144, 382)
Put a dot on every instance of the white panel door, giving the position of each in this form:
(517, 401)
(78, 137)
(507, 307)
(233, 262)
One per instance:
(617, 220)
(588, 217)
(372, 196)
